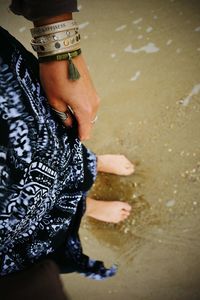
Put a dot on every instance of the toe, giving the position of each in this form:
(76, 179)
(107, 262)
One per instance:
(124, 217)
(129, 168)
(125, 214)
(126, 207)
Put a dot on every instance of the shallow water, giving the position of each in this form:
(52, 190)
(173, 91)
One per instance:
(144, 57)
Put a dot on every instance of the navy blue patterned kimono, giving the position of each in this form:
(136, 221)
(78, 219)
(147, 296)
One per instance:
(45, 173)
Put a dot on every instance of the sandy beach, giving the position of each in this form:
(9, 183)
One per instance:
(144, 58)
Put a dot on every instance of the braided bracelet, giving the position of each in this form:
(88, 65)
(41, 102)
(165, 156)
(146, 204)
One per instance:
(73, 72)
(60, 56)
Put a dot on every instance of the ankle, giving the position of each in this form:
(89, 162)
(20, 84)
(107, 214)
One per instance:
(89, 206)
(100, 164)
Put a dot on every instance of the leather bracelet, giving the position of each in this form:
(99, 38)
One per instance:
(56, 36)
(51, 28)
(62, 50)
(56, 45)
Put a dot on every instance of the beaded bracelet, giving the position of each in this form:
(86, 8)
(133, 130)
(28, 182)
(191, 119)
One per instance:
(56, 45)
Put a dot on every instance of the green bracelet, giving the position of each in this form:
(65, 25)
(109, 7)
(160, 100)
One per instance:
(60, 56)
(72, 70)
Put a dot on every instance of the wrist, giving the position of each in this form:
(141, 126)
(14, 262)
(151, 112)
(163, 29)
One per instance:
(51, 20)
(57, 38)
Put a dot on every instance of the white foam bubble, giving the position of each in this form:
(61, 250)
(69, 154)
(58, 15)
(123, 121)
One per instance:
(113, 55)
(169, 42)
(22, 29)
(149, 29)
(178, 50)
(170, 203)
(135, 76)
(195, 90)
(197, 29)
(122, 27)
(155, 17)
(149, 48)
(137, 21)
(140, 37)
(83, 25)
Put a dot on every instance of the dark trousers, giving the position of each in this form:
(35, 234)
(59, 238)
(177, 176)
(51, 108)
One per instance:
(39, 282)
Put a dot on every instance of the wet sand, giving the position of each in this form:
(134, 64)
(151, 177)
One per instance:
(144, 57)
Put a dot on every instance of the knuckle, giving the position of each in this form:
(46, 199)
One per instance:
(84, 137)
(88, 110)
(56, 104)
(97, 102)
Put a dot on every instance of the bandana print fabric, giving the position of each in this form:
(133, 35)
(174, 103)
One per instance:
(45, 173)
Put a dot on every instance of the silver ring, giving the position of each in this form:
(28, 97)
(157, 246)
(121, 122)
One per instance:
(62, 115)
(94, 120)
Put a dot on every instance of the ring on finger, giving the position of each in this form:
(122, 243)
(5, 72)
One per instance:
(62, 115)
(94, 120)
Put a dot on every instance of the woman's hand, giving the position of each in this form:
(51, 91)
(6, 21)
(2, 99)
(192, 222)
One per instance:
(62, 92)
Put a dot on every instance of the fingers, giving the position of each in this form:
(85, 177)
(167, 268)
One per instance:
(69, 121)
(80, 95)
(68, 116)
(85, 115)
(64, 114)
(84, 130)
(86, 121)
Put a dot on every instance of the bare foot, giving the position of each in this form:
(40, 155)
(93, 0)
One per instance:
(114, 164)
(107, 211)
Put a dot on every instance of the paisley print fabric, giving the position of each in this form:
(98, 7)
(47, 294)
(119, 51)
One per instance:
(45, 173)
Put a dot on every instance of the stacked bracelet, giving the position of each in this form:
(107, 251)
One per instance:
(58, 41)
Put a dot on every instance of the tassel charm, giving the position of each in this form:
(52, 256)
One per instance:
(72, 70)
(73, 73)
